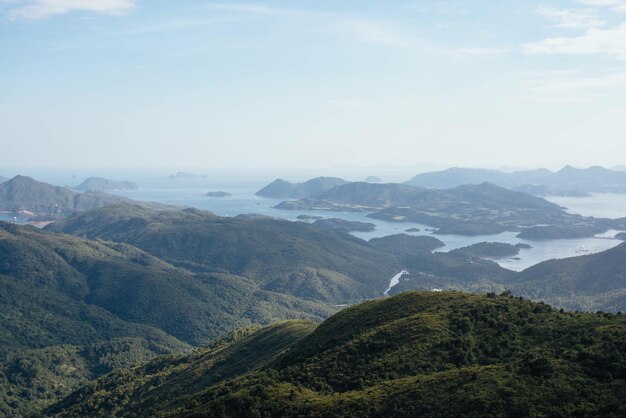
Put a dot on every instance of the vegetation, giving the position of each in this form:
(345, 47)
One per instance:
(263, 250)
(62, 297)
(151, 282)
(591, 282)
(416, 354)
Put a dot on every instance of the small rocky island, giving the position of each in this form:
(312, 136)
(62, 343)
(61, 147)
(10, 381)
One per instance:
(493, 250)
(336, 224)
(181, 175)
(309, 217)
(219, 194)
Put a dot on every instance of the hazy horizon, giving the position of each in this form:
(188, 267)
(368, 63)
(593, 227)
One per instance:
(118, 84)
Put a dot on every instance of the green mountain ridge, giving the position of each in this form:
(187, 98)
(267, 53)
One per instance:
(261, 249)
(415, 354)
(299, 260)
(61, 297)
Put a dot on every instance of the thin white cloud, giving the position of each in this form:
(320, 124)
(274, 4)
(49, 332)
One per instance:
(571, 86)
(374, 32)
(571, 18)
(348, 103)
(609, 41)
(617, 5)
(478, 52)
(41, 9)
(261, 9)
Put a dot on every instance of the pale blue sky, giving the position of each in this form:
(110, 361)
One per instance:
(151, 83)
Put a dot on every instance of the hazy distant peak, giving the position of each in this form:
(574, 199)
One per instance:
(102, 184)
(280, 188)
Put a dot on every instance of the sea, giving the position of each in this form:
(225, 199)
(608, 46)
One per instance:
(243, 200)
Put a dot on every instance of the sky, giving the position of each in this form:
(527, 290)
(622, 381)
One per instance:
(153, 83)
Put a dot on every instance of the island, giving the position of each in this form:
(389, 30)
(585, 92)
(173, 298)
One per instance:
(621, 236)
(413, 230)
(309, 217)
(493, 250)
(219, 194)
(469, 210)
(99, 184)
(283, 189)
(181, 175)
(342, 225)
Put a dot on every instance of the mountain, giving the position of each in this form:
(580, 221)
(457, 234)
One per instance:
(3, 179)
(282, 189)
(482, 209)
(458, 176)
(568, 181)
(590, 282)
(102, 185)
(265, 250)
(73, 309)
(415, 354)
(23, 193)
(290, 258)
(58, 328)
(592, 179)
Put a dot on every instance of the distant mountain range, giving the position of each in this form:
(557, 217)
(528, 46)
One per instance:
(417, 354)
(282, 189)
(566, 181)
(102, 185)
(3, 179)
